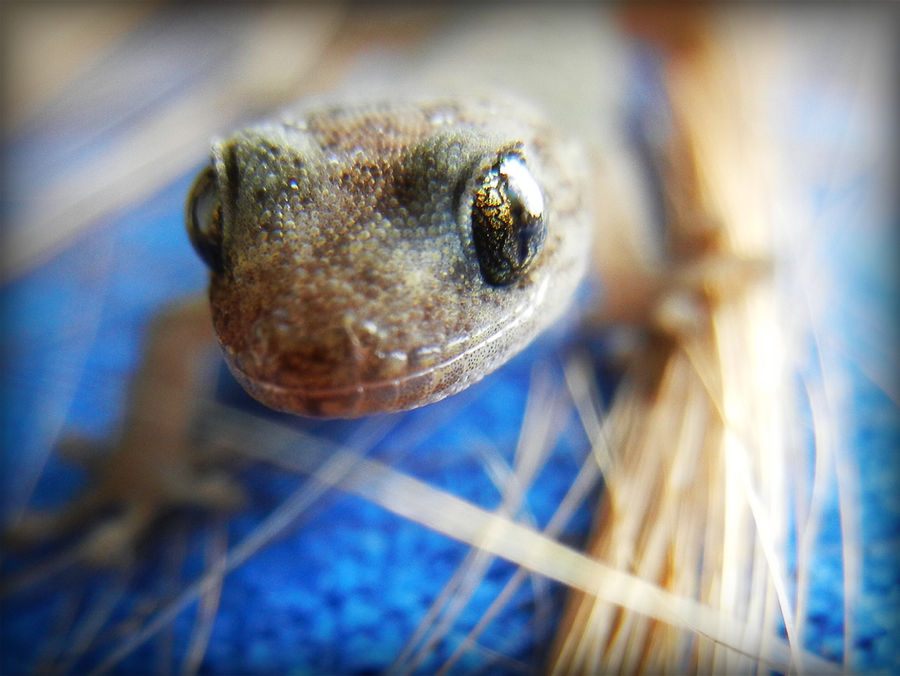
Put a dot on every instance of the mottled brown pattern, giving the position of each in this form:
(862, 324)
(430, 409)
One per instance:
(350, 283)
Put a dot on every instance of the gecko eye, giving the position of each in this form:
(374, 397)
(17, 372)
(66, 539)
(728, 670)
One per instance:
(508, 221)
(204, 219)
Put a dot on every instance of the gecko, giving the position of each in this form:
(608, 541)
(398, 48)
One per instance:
(364, 257)
(377, 257)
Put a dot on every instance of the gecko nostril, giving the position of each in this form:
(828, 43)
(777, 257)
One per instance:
(203, 219)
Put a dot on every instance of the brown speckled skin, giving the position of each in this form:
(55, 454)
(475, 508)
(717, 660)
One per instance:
(349, 283)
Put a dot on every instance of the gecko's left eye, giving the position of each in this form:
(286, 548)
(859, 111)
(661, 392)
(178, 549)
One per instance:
(204, 219)
(509, 224)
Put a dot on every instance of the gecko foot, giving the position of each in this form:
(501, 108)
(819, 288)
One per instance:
(124, 500)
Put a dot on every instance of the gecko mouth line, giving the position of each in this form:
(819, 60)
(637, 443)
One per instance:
(407, 391)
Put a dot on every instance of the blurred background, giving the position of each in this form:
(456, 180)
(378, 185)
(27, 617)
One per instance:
(108, 113)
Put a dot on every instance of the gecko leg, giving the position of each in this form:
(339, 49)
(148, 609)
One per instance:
(153, 467)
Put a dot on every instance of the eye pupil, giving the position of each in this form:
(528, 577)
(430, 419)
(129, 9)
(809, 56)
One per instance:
(508, 221)
(524, 238)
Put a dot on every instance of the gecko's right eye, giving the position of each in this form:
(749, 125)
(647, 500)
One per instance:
(204, 219)
(509, 225)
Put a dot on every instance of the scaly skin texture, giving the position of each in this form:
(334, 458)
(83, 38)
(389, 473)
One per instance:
(345, 277)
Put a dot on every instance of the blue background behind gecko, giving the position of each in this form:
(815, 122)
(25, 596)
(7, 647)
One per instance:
(344, 591)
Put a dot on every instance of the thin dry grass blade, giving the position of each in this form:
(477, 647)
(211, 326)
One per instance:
(698, 500)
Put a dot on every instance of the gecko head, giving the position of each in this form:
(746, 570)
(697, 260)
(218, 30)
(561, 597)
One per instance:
(378, 257)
